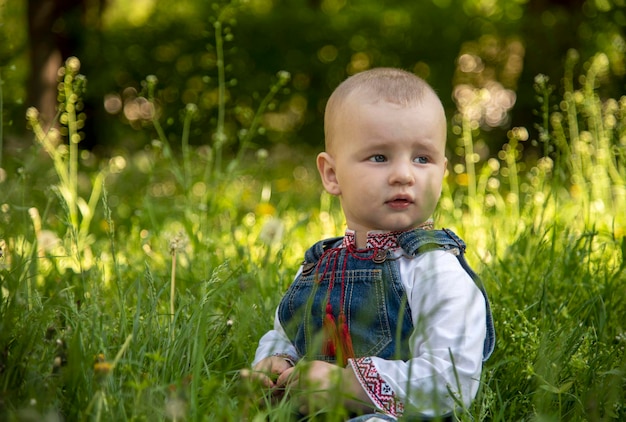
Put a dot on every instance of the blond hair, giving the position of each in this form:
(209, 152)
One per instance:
(391, 85)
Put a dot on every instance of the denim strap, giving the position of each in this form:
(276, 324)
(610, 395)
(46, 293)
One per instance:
(315, 252)
(418, 241)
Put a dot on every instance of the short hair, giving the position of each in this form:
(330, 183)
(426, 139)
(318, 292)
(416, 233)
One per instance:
(392, 85)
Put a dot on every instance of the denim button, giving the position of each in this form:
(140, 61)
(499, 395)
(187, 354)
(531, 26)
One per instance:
(380, 256)
(307, 267)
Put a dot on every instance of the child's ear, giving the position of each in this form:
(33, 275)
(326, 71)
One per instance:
(326, 167)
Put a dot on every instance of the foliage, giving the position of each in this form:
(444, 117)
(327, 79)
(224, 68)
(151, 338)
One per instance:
(192, 246)
(489, 48)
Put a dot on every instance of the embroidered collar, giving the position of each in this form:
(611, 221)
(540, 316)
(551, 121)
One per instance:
(377, 239)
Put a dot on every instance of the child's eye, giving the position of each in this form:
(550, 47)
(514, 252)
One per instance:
(378, 158)
(421, 160)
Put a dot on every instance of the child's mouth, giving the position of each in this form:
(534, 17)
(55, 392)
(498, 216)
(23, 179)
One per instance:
(399, 203)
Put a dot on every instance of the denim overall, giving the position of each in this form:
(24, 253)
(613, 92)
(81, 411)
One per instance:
(367, 285)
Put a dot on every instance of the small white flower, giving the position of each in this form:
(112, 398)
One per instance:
(272, 231)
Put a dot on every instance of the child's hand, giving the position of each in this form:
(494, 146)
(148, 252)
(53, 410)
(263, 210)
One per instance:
(316, 381)
(323, 385)
(267, 371)
(259, 383)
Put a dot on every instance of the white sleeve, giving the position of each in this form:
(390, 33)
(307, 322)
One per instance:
(275, 342)
(446, 346)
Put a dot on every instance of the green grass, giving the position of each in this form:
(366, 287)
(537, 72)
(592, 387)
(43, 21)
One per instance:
(93, 249)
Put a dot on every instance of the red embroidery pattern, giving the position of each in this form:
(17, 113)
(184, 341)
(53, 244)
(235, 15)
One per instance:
(386, 240)
(383, 240)
(349, 239)
(377, 388)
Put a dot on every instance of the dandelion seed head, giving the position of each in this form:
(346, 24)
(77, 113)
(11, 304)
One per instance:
(175, 407)
(178, 242)
(48, 240)
(272, 231)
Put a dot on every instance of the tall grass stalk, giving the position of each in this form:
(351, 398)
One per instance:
(220, 134)
(116, 270)
(104, 370)
(150, 85)
(80, 212)
(71, 100)
(1, 118)
(588, 133)
(190, 112)
(177, 244)
(283, 78)
(215, 173)
(468, 146)
(173, 291)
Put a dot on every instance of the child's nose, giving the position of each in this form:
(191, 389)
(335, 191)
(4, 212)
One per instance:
(401, 174)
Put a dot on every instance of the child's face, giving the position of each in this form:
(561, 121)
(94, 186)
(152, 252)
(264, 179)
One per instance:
(386, 162)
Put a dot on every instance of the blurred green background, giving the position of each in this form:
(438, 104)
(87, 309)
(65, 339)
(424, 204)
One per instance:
(480, 55)
(168, 259)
